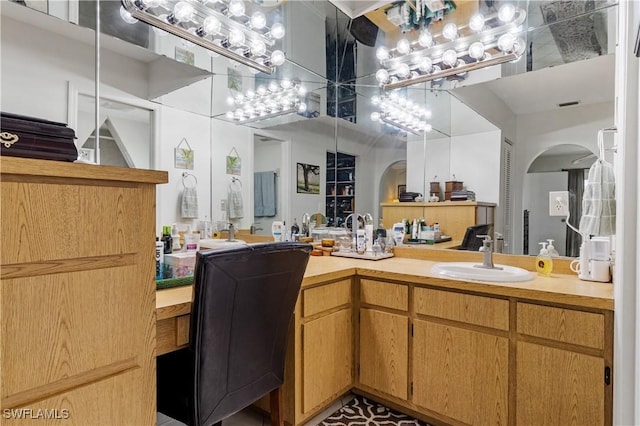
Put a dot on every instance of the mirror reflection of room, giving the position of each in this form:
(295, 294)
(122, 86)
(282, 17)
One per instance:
(339, 71)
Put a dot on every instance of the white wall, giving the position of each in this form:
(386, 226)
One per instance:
(473, 159)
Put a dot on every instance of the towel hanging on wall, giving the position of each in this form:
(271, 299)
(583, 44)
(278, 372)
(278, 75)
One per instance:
(264, 197)
(189, 202)
(599, 197)
(234, 201)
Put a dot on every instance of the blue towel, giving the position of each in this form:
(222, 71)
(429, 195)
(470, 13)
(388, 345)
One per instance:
(264, 188)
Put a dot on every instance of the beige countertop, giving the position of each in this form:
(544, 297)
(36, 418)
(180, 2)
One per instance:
(558, 288)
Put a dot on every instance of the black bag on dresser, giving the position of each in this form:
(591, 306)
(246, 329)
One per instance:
(30, 137)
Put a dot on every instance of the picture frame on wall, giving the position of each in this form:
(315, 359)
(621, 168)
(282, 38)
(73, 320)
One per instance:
(307, 179)
(183, 155)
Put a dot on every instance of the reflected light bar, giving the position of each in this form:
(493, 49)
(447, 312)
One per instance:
(217, 25)
(485, 41)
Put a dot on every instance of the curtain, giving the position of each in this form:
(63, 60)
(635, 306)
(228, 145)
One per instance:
(576, 188)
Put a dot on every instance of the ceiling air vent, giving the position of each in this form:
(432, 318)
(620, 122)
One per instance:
(566, 104)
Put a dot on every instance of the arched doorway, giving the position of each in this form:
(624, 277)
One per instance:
(394, 175)
(560, 168)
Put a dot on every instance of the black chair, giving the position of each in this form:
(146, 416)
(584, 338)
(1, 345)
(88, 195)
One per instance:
(244, 299)
(471, 240)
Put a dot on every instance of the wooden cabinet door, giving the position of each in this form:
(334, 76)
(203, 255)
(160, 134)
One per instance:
(460, 373)
(571, 385)
(384, 351)
(327, 358)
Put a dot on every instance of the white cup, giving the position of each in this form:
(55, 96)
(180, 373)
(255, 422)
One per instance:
(575, 266)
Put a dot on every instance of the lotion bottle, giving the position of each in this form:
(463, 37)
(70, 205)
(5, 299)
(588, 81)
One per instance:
(552, 250)
(544, 263)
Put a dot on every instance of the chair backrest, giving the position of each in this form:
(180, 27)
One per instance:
(243, 303)
(471, 240)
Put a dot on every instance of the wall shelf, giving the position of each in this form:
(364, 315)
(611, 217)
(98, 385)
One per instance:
(341, 188)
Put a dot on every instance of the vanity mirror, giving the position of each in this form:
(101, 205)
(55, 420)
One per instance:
(484, 125)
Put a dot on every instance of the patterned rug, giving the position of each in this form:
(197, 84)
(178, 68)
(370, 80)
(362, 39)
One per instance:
(362, 412)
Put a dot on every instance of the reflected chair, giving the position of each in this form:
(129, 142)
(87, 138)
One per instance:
(244, 299)
(472, 240)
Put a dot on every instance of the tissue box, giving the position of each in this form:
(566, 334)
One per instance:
(181, 259)
(181, 264)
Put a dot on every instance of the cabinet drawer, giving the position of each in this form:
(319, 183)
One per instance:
(326, 297)
(478, 310)
(564, 325)
(388, 295)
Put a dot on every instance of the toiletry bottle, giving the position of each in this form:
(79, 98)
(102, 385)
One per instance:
(552, 250)
(159, 258)
(175, 236)
(360, 241)
(191, 240)
(167, 240)
(544, 263)
(295, 229)
(276, 230)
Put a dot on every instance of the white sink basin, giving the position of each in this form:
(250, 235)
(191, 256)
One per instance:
(213, 243)
(469, 271)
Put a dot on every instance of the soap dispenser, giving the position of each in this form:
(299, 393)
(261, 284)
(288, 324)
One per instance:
(552, 250)
(544, 263)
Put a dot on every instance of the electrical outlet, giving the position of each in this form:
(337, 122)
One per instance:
(223, 205)
(558, 203)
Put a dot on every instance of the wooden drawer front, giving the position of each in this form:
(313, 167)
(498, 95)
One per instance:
(478, 310)
(395, 296)
(325, 297)
(564, 325)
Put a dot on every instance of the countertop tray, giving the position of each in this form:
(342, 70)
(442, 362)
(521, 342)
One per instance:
(420, 241)
(174, 282)
(362, 256)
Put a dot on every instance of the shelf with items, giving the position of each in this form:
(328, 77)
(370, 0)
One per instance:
(340, 186)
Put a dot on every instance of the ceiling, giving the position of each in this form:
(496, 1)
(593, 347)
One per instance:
(355, 8)
(587, 82)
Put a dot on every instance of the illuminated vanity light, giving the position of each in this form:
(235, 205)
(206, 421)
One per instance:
(485, 41)
(401, 113)
(276, 99)
(220, 26)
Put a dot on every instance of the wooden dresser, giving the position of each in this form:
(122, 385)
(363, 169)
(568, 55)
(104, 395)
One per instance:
(453, 216)
(77, 293)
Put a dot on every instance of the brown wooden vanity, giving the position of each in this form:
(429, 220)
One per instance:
(445, 351)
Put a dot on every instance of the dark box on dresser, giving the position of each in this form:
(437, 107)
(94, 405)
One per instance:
(30, 137)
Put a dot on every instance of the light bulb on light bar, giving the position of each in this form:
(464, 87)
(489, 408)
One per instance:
(219, 26)
(485, 41)
(401, 113)
(276, 99)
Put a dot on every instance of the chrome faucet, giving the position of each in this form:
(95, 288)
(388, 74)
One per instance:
(487, 253)
(254, 228)
(232, 232)
(305, 222)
